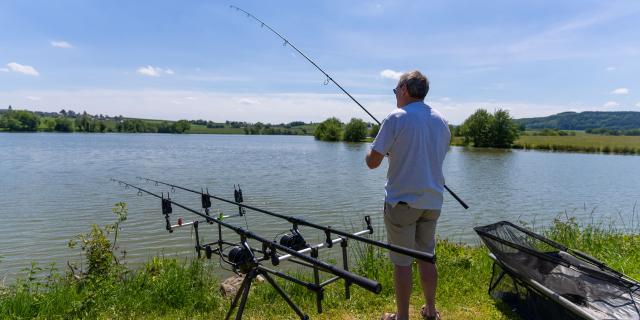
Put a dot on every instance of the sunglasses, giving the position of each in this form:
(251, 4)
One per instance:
(395, 90)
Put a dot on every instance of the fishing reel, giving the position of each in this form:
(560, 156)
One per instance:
(293, 240)
(241, 258)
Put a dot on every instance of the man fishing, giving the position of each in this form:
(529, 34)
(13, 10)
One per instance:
(416, 138)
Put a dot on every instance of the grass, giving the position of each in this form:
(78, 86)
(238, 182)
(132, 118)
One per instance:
(581, 142)
(167, 288)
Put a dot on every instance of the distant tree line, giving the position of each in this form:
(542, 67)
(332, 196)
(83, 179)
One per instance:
(291, 128)
(140, 126)
(356, 130)
(550, 132)
(613, 132)
(614, 120)
(70, 121)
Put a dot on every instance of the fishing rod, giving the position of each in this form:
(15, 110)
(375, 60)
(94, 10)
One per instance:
(368, 284)
(301, 222)
(329, 79)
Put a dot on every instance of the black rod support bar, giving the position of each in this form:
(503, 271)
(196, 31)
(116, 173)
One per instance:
(368, 284)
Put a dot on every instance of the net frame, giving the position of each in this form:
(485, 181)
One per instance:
(530, 260)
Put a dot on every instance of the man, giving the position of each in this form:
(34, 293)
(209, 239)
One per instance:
(416, 139)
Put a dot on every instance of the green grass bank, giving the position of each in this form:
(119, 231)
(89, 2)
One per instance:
(167, 288)
(581, 142)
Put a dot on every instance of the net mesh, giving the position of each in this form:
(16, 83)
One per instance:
(541, 280)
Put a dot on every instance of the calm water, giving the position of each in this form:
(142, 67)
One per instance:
(54, 186)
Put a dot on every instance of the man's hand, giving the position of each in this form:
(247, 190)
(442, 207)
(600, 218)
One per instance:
(374, 159)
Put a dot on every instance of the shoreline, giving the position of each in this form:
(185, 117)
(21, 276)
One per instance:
(538, 143)
(168, 288)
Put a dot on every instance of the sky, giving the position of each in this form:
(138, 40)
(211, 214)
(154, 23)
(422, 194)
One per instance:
(203, 60)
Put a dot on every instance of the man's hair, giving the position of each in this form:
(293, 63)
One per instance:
(417, 84)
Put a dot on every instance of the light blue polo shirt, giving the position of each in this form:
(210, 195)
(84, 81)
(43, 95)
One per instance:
(416, 138)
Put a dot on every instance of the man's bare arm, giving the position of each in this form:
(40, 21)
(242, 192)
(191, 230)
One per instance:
(374, 159)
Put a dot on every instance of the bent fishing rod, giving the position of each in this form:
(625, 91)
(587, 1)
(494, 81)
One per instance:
(301, 222)
(329, 79)
(368, 284)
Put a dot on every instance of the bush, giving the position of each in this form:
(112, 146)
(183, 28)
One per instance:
(64, 125)
(20, 120)
(329, 130)
(181, 126)
(355, 131)
(483, 129)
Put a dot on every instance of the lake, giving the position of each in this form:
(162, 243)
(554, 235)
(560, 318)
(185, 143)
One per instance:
(54, 186)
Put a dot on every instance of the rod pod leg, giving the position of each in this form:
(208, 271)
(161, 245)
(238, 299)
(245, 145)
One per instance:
(284, 296)
(316, 280)
(345, 266)
(243, 292)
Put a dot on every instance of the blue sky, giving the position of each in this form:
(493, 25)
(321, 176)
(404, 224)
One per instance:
(201, 59)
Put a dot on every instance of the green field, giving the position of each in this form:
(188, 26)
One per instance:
(581, 142)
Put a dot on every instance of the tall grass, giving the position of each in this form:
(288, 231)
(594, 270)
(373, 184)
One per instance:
(162, 286)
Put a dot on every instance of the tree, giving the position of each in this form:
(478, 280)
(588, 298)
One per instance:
(477, 129)
(373, 132)
(355, 131)
(329, 130)
(49, 124)
(455, 130)
(504, 131)
(64, 125)
(165, 127)
(20, 120)
(181, 126)
(483, 129)
(85, 123)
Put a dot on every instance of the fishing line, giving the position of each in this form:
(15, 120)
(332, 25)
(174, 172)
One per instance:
(327, 79)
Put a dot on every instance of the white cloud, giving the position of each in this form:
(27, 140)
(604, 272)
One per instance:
(620, 91)
(610, 68)
(61, 44)
(153, 71)
(191, 98)
(390, 74)
(150, 71)
(610, 104)
(33, 98)
(638, 104)
(445, 99)
(248, 101)
(29, 70)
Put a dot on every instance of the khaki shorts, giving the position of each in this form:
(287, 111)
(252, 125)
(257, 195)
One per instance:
(411, 228)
